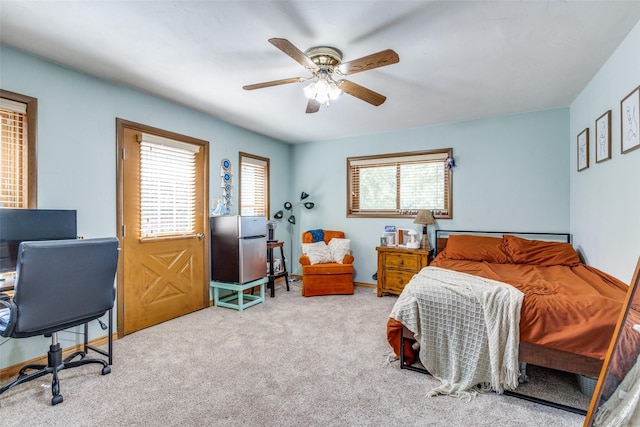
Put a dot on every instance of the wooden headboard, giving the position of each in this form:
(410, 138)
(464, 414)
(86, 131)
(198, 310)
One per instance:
(443, 235)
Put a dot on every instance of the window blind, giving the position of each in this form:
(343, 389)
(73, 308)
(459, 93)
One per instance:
(400, 184)
(167, 187)
(253, 186)
(13, 154)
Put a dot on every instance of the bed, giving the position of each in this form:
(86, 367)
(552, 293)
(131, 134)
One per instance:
(568, 312)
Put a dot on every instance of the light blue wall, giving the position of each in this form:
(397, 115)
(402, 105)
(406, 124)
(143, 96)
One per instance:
(511, 176)
(514, 173)
(605, 198)
(77, 150)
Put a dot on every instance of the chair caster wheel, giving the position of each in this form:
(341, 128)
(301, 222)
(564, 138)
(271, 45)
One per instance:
(56, 399)
(106, 370)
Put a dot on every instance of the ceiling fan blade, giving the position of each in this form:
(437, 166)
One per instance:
(287, 47)
(313, 106)
(361, 92)
(274, 83)
(369, 62)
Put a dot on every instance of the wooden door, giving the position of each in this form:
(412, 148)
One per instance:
(160, 277)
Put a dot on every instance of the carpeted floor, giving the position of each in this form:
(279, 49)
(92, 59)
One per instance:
(291, 361)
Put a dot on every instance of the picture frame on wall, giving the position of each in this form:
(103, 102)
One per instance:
(603, 137)
(583, 150)
(630, 121)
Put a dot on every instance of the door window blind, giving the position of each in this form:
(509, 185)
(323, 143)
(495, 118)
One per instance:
(13, 154)
(167, 187)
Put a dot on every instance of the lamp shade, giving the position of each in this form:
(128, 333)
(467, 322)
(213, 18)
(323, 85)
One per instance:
(278, 215)
(288, 205)
(424, 217)
(309, 205)
(292, 219)
(303, 195)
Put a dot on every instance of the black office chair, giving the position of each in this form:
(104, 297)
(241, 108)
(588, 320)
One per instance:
(59, 284)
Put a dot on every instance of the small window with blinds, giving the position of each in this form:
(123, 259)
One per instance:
(167, 187)
(17, 150)
(254, 185)
(398, 185)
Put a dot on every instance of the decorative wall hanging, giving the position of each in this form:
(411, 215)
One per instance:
(583, 150)
(629, 121)
(225, 182)
(451, 163)
(603, 137)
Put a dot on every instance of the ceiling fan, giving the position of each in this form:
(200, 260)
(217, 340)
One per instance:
(325, 64)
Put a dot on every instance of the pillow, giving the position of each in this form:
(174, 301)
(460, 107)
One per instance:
(475, 248)
(339, 248)
(317, 252)
(317, 235)
(538, 252)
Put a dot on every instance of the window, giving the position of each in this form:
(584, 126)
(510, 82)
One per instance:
(254, 185)
(397, 185)
(18, 119)
(167, 187)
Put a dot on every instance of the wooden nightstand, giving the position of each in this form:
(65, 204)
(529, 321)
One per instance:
(396, 266)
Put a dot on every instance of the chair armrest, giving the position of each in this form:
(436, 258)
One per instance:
(304, 260)
(348, 259)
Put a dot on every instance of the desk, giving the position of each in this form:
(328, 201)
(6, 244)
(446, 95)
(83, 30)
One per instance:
(238, 294)
(7, 284)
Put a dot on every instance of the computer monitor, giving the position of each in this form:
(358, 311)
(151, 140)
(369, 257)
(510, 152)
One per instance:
(19, 225)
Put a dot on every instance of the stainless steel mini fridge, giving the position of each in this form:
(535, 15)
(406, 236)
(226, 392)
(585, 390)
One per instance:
(238, 248)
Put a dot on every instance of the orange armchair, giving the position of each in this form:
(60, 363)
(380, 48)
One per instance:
(328, 278)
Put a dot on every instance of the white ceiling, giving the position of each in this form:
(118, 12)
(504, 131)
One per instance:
(459, 60)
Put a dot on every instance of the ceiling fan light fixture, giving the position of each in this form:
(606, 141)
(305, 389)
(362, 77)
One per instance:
(334, 91)
(310, 91)
(323, 90)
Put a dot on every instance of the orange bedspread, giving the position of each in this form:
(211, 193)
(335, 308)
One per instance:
(573, 309)
(567, 305)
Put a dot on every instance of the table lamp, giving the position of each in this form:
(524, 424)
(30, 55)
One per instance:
(425, 218)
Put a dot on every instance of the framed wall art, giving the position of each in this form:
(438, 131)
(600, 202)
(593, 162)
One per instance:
(629, 120)
(583, 150)
(603, 137)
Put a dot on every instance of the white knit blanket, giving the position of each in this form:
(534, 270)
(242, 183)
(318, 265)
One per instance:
(623, 407)
(467, 327)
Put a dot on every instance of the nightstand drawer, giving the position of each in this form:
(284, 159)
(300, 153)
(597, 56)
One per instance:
(396, 280)
(404, 261)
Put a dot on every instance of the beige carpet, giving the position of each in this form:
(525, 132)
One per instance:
(292, 361)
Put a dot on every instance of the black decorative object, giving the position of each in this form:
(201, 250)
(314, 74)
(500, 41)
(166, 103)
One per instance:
(292, 218)
(291, 207)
